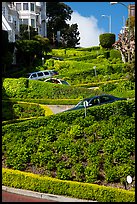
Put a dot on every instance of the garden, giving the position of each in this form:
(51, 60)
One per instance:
(96, 149)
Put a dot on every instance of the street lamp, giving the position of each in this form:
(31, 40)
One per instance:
(112, 3)
(109, 17)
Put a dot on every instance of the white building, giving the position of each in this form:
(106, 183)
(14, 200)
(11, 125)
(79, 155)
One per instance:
(33, 14)
(10, 20)
(29, 13)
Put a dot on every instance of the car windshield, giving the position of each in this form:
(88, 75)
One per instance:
(64, 82)
(81, 103)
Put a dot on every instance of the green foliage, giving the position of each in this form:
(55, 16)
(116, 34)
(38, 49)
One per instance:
(130, 70)
(58, 13)
(62, 144)
(27, 110)
(26, 34)
(98, 147)
(107, 40)
(40, 90)
(29, 50)
(44, 44)
(29, 181)
(115, 54)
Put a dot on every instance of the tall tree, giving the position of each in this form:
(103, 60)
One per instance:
(57, 15)
(70, 37)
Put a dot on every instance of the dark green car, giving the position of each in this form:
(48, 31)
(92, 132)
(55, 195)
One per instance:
(96, 100)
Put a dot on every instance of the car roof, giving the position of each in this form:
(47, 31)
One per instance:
(41, 71)
(96, 96)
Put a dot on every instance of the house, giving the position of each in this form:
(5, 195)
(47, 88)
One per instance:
(33, 14)
(16, 13)
(10, 20)
(30, 13)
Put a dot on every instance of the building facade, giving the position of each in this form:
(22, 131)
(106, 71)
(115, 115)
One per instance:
(29, 13)
(33, 14)
(10, 20)
(131, 10)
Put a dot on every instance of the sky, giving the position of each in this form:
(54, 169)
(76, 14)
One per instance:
(91, 23)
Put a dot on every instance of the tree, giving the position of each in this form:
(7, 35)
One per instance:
(44, 45)
(27, 33)
(57, 15)
(70, 37)
(126, 41)
(29, 50)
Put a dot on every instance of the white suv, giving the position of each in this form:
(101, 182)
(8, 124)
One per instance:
(42, 74)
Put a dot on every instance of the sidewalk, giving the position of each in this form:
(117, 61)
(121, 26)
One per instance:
(50, 197)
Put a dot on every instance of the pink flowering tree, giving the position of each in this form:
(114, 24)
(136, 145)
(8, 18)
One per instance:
(126, 43)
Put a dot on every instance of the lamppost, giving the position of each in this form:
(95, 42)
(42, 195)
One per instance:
(112, 3)
(109, 18)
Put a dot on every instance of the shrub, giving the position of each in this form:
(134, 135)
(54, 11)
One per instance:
(107, 40)
(115, 54)
(44, 184)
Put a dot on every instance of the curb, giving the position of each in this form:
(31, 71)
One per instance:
(52, 197)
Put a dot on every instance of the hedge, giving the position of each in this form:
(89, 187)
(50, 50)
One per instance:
(15, 110)
(44, 184)
(19, 88)
(107, 40)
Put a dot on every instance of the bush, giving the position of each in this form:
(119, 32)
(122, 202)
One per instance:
(115, 54)
(107, 40)
(17, 88)
(44, 184)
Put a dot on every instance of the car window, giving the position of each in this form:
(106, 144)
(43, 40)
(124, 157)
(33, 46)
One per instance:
(33, 75)
(40, 74)
(46, 73)
(64, 82)
(104, 99)
(94, 101)
(49, 80)
(81, 103)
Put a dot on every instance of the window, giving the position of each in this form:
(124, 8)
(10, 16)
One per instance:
(94, 102)
(3, 11)
(9, 18)
(20, 21)
(33, 75)
(25, 6)
(40, 74)
(32, 6)
(15, 23)
(33, 22)
(25, 21)
(46, 73)
(18, 6)
(104, 99)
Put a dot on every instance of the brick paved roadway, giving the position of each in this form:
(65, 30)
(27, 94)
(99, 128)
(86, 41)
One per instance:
(12, 197)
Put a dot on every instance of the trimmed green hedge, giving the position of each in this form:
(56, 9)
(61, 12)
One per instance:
(107, 40)
(34, 89)
(44, 184)
(15, 110)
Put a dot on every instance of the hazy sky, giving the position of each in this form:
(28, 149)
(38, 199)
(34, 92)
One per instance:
(88, 28)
